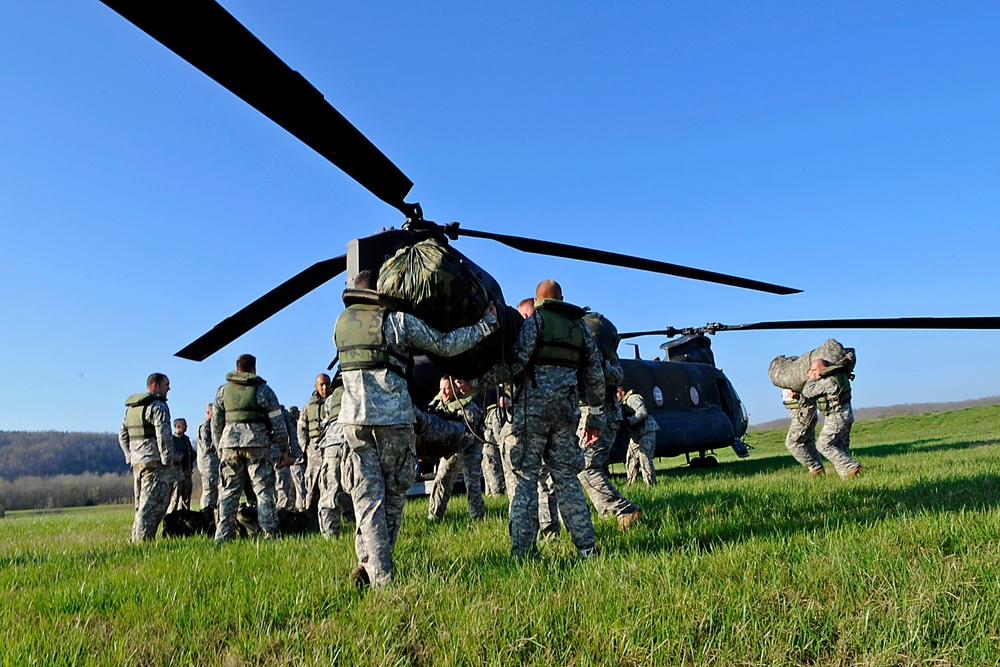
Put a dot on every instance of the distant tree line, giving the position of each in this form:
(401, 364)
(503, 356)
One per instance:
(26, 493)
(51, 453)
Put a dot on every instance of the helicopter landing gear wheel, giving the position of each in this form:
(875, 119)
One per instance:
(697, 462)
(710, 462)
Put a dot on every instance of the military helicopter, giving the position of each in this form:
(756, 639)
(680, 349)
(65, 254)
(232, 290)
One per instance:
(695, 404)
(204, 34)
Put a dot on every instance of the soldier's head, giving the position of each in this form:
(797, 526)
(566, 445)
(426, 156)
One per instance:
(246, 363)
(158, 383)
(548, 289)
(323, 385)
(621, 392)
(208, 411)
(180, 426)
(294, 411)
(365, 280)
(526, 308)
(446, 390)
(503, 402)
(816, 368)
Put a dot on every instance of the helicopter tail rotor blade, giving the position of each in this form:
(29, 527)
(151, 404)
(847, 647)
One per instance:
(293, 289)
(616, 259)
(210, 38)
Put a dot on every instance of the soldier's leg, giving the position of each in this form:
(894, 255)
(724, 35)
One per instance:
(826, 444)
(209, 467)
(632, 468)
(522, 458)
(564, 459)
(299, 485)
(260, 469)
(549, 525)
(315, 462)
(283, 489)
(493, 470)
(800, 441)
(185, 487)
(232, 473)
(606, 498)
(154, 483)
(647, 445)
(472, 469)
(443, 486)
(329, 484)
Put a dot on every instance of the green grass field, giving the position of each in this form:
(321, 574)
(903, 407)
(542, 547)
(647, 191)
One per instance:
(751, 563)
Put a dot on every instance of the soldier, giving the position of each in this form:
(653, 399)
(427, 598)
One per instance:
(180, 498)
(310, 432)
(374, 344)
(332, 449)
(148, 445)
(555, 351)
(594, 477)
(208, 464)
(297, 471)
(284, 491)
(249, 433)
(801, 438)
(468, 459)
(493, 425)
(642, 446)
(832, 392)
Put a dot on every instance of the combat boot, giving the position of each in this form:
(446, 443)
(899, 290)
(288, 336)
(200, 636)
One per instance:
(590, 552)
(626, 521)
(854, 473)
(817, 472)
(359, 577)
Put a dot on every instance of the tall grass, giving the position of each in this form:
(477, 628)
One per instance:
(751, 563)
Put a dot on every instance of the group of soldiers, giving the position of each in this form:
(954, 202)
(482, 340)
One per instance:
(544, 441)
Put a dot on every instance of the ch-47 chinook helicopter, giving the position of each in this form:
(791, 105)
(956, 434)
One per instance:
(694, 403)
(208, 37)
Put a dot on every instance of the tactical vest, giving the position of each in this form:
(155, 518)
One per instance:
(337, 396)
(315, 414)
(843, 396)
(561, 339)
(360, 339)
(628, 412)
(139, 428)
(239, 398)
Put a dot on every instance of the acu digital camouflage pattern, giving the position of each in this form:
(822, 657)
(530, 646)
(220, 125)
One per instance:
(642, 446)
(333, 448)
(208, 466)
(493, 475)
(427, 281)
(468, 460)
(793, 372)
(834, 441)
(801, 438)
(152, 460)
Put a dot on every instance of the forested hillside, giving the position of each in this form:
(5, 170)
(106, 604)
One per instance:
(50, 453)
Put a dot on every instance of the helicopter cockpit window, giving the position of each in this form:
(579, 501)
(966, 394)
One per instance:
(695, 397)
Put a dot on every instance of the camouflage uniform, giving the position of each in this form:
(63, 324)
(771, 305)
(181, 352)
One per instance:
(310, 432)
(332, 449)
(247, 450)
(469, 459)
(543, 429)
(492, 460)
(801, 438)
(151, 456)
(833, 395)
(549, 525)
(208, 466)
(377, 415)
(594, 477)
(639, 458)
(283, 488)
(180, 497)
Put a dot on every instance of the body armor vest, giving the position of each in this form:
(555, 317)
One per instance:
(843, 396)
(628, 412)
(139, 428)
(561, 339)
(239, 398)
(360, 340)
(337, 396)
(315, 414)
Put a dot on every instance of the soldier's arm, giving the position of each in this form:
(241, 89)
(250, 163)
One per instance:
(123, 443)
(268, 401)
(294, 449)
(205, 438)
(302, 428)
(638, 406)
(159, 417)
(593, 381)
(816, 388)
(524, 348)
(613, 373)
(218, 419)
(413, 332)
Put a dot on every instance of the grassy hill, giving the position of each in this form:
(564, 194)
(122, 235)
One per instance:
(751, 563)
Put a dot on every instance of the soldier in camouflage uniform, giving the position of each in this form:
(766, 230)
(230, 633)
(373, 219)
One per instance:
(801, 438)
(296, 496)
(555, 352)
(832, 393)
(639, 458)
(180, 497)
(310, 432)
(375, 345)
(250, 434)
(148, 445)
(284, 490)
(468, 459)
(208, 464)
(594, 477)
(332, 449)
(493, 424)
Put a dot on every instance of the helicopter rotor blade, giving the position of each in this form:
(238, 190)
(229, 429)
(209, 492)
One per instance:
(234, 326)
(615, 259)
(956, 323)
(210, 38)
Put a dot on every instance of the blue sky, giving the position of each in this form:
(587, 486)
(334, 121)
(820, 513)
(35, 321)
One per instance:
(848, 149)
